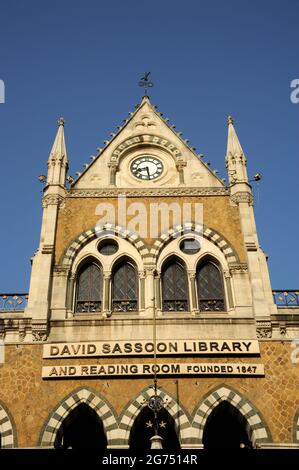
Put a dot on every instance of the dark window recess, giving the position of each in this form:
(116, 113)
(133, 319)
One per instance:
(89, 289)
(174, 288)
(124, 288)
(210, 288)
(108, 247)
(190, 246)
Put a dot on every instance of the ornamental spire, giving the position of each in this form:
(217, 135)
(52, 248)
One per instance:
(235, 158)
(58, 161)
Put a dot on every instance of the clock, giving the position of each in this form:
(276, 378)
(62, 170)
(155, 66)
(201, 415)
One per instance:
(146, 167)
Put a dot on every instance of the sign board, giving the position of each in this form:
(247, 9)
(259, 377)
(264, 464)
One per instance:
(135, 370)
(178, 347)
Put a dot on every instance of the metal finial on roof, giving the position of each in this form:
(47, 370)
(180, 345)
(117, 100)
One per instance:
(145, 82)
(230, 120)
(61, 121)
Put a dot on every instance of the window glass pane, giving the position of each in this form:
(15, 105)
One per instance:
(89, 289)
(210, 288)
(174, 288)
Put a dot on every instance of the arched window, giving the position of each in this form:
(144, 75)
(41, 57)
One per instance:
(89, 289)
(174, 287)
(210, 287)
(124, 288)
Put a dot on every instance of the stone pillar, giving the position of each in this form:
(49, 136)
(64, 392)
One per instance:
(193, 298)
(158, 294)
(70, 295)
(149, 290)
(142, 291)
(229, 301)
(106, 296)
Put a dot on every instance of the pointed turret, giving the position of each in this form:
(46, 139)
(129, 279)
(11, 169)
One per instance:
(235, 158)
(58, 161)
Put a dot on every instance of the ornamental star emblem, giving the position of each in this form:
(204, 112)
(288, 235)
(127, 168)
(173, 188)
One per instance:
(162, 424)
(149, 424)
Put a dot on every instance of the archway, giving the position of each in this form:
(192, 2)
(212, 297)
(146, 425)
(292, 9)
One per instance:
(226, 428)
(144, 428)
(81, 429)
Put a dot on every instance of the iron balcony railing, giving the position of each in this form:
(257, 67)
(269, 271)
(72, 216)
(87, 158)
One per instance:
(13, 302)
(17, 302)
(286, 298)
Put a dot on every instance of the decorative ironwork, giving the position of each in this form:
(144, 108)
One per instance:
(124, 305)
(145, 82)
(210, 288)
(89, 289)
(211, 305)
(124, 297)
(175, 305)
(13, 302)
(84, 306)
(286, 298)
(174, 288)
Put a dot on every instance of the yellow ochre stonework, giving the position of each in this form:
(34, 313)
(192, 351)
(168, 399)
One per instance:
(31, 399)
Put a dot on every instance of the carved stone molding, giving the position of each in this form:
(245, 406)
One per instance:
(250, 246)
(39, 332)
(264, 330)
(242, 196)
(60, 272)
(54, 200)
(48, 249)
(147, 192)
(238, 268)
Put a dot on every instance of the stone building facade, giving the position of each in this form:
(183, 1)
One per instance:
(149, 270)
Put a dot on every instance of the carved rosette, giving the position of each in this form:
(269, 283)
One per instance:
(54, 200)
(242, 197)
(264, 330)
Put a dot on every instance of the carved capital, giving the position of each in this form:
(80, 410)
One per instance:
(39, 332)
(264, 330)
(54, 200)
(238, 268)
(58, 271)
(242, 196)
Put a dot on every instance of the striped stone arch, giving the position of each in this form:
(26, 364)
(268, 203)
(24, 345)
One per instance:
(258, 430)
(129, 414)
(296, 427)
(197, 229)
(83, 395)
(7, 429)
(228, 251)
(85, 237)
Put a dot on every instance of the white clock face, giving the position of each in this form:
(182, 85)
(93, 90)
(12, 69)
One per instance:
(146, 167)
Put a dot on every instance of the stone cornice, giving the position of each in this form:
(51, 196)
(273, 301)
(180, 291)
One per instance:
(147, 192)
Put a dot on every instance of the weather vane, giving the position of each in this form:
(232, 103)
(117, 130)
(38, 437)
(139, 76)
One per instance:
(145, 82)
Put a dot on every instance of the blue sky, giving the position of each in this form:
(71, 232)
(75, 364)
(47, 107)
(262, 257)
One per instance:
(82, 60)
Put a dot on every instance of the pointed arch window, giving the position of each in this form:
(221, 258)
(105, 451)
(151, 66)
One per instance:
(124, 288)
(89, 289)
(210, 287)
(174, 287)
